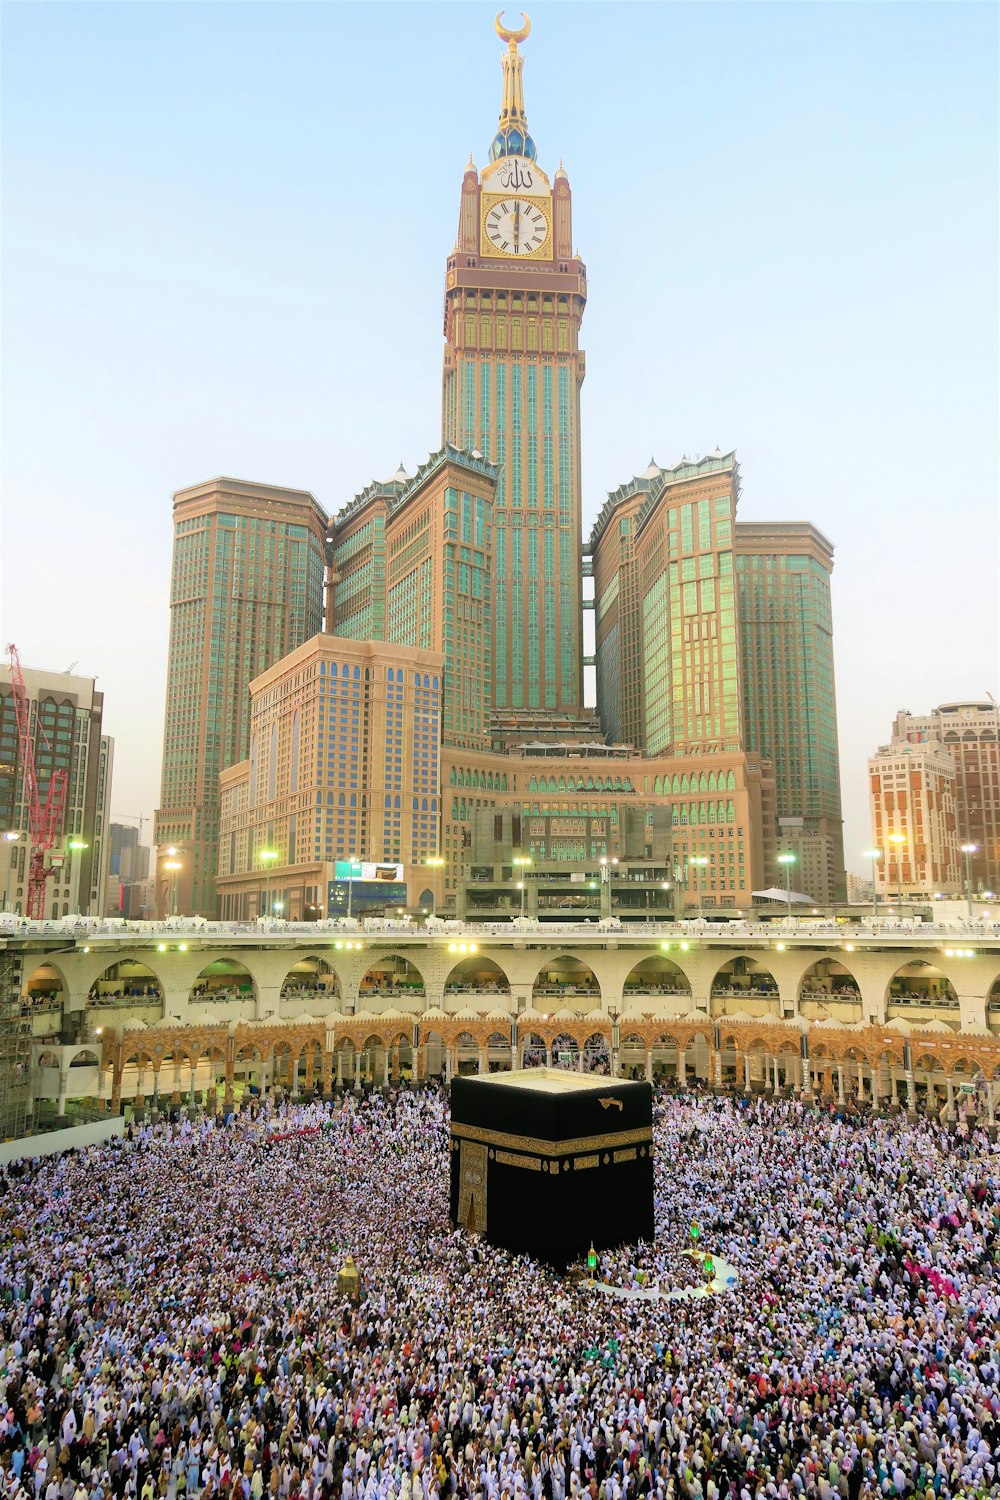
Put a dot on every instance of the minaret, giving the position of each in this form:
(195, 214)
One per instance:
(514, 301)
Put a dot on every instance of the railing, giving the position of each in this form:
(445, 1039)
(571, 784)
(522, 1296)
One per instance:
(690, 927)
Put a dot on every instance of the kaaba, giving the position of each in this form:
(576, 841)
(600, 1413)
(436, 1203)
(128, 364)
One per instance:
(545, 1162)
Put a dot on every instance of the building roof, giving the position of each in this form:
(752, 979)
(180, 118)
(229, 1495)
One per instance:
(398, 489)
(654, 481)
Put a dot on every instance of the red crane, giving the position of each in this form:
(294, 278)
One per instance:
(44, 822)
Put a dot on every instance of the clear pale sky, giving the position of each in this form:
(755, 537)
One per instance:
(224, 236)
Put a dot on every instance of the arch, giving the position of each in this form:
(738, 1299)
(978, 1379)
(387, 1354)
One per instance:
(392, 974)
(597, 1053)
(45, 984)
(400, 1056)
(310, 978)
(919, 983)
(466, 1053)
(479, 973)
(566, 1052)
(225, 978)
(498, 1041)
(743, 977)
(657, 785)
(125, 981)
(534, 1049)
(656, 976)
(563, 979)
(829, 981)
(87, 1054)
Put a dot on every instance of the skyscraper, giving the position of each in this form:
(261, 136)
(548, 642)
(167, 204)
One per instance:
(413, 561)
(789, 703)
(246, 589)
(668, 666)
(66, 714)
(514, 300)
(969, 730)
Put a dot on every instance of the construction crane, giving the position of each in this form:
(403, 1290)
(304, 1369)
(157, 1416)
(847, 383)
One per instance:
(44, 821)
(132, 818)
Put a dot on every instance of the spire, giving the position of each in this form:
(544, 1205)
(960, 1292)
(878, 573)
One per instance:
(512, 138)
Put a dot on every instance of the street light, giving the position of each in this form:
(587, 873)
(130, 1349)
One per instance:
(788, 859)
(267, 858)
(173, 865)
(521, 862)
(434, 862)
(969, 850)
(875, 856)
(702, 861)
(77, 844)
(897, 839)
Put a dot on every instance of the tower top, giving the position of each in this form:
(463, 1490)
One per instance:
(512, 138)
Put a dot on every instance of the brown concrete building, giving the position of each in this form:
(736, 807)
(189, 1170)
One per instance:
(912, 790)
(970, 733)
(246, 588)
(344, 764)
(573, 808)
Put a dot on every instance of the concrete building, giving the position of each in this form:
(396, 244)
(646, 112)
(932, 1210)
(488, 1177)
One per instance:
(667, 628)
(246, 589)
(66, 715)
(575, 808)
(515, 294)
(428, 582)
(970, 733)
(783, 573)
(344, 764)
(912, 790)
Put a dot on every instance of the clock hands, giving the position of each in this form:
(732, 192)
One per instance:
(517, 224)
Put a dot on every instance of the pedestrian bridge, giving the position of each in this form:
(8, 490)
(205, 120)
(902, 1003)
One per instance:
(192, 1010)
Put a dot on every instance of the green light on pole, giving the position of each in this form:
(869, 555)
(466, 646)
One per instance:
(875, 855)
(267, 858)
(788, 860)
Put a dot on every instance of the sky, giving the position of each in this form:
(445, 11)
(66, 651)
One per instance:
(224, 235)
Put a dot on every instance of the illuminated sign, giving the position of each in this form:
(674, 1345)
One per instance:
(364, 897)
(356, 869)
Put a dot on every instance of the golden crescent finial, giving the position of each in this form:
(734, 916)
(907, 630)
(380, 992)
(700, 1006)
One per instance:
(512, 36)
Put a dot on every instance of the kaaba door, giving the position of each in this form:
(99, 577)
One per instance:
(472, 1187)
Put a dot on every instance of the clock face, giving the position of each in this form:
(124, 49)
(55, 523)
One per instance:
(516, 227)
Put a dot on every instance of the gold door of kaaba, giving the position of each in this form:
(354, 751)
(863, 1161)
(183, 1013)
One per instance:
(472, 1187)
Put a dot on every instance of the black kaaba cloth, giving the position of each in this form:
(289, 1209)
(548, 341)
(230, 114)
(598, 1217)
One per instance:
(545, 1161)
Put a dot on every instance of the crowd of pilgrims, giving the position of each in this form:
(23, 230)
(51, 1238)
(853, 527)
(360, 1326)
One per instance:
(170, 1324)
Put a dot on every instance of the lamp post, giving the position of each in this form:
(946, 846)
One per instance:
(787, 859)
(897, 839)
(521, 862)
(969, 850)
(700, 860)
(267, 858)
(875, 856)
(434, 862)
(173, 865)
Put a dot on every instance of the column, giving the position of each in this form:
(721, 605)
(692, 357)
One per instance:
(340, 1067)
(777, 1080)
(548, 1054)
(950, 1090)
(63, 1090)
(357, 1071)
(194, 1080)
(156, 1087)
(579, 1062)
(717, 1058)
(746, 1074)
(911, 1092)
(293, 1080)
(841, 1098)
(484, 1061)
(447, 1064)
(649, 1065)
(682, 1066)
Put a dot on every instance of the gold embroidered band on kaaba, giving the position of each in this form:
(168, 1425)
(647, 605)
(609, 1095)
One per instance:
(579, 1144)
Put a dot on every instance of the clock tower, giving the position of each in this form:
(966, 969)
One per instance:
(513, 367)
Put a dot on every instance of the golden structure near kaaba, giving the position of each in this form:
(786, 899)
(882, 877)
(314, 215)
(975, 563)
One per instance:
(546, 1162)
